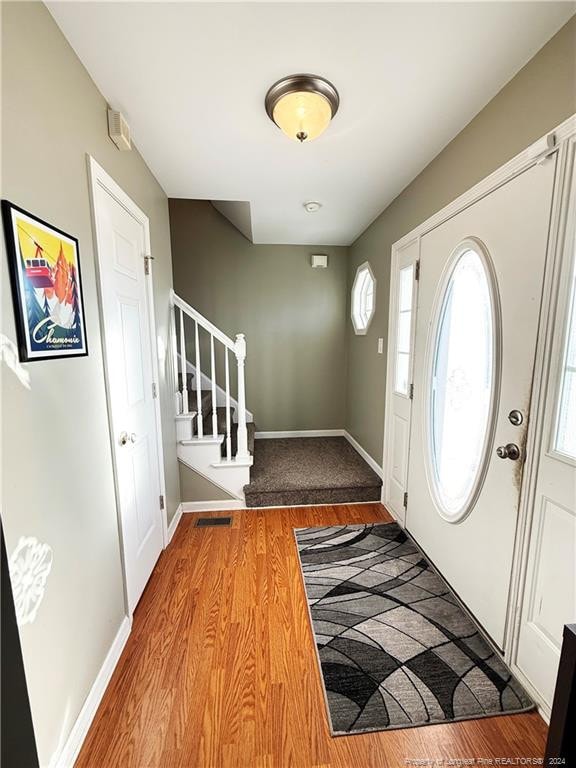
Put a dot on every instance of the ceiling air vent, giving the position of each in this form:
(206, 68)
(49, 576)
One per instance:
(119, 130)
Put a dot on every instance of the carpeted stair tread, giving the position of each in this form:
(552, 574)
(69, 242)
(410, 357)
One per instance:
(310, 470)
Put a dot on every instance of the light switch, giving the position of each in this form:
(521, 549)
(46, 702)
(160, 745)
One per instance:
(380, 346)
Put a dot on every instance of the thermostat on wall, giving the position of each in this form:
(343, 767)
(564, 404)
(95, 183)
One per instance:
(319, 260)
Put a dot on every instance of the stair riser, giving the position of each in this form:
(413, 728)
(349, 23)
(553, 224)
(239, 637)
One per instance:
(321, 496)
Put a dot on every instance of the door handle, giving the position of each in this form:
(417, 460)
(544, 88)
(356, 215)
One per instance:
(123, 439)
(510, 451)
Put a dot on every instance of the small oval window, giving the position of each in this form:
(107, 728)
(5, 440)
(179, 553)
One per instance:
(462, 390)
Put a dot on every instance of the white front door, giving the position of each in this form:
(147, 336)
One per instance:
(481, 277)
(121, 242)
(549, 599)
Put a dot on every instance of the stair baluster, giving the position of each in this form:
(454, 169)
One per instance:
(185, 408)
(228, 420)
(235, 459)
(213, 376)
(242, 446)
(174, 341)
(198, 377)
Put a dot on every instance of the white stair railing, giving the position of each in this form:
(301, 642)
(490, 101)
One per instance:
(238, 347)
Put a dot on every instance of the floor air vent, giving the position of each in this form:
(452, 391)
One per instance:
(208, 522)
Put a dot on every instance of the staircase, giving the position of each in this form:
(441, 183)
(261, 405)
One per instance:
(214, 431)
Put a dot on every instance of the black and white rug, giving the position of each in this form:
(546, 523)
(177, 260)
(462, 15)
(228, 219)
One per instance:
(395, 648)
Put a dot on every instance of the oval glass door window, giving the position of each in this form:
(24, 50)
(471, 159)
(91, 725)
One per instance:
(463, 375)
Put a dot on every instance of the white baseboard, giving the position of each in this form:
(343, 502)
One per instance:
(544, 709)
(67, 756)
(212, 506)
(174, 523)
(301, 433)
(325, 433)
(365, 455)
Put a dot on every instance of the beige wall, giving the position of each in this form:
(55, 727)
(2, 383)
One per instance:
(196, 487)
(538, 98)
(56, 459)
(294, 317)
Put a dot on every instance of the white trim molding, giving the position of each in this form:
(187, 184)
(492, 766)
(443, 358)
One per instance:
(71, 749)
(535, 153)
(174, 523)
(301, 433)
(225, 505)
(362, 329)
(364, 453)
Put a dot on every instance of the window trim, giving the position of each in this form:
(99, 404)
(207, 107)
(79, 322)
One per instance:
(365, 267)
(478, 247)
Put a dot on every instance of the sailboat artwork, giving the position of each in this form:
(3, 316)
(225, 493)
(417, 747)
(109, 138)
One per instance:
(46, 286)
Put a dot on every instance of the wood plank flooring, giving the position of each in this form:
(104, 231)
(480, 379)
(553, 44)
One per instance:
(220, 669)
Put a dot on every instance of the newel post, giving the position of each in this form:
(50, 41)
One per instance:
(240, 352)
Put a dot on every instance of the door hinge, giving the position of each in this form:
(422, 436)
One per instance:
(154, 389)
(405, 499)
(147, 260)
(411, 392)
(161, 502)
(417, 270)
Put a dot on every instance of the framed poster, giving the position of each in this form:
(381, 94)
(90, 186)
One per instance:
(46, 287)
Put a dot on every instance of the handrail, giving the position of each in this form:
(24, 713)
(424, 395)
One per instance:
(201, 320)
(238, 347)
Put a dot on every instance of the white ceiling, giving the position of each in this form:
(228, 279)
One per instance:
(191, 80)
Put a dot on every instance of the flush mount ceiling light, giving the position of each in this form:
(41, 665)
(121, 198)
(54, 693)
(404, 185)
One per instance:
(302, 106)
(312, 206)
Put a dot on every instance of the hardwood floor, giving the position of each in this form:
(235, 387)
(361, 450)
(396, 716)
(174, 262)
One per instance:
(220, 668)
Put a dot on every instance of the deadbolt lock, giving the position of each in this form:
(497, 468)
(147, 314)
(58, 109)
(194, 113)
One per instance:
(515, 417)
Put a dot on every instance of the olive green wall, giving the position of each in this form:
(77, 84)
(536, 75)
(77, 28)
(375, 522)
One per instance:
(196, 487)
(294, 317)
(537, 99)
(57, 476)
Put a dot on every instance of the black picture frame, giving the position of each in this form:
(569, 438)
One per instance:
(46, 287)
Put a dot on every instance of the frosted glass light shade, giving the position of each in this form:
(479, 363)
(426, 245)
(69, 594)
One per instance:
(303, 115)
(302, 106)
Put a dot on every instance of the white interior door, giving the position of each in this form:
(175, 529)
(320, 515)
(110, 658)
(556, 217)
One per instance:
(128, 351)
(479, 296)
(549, 599)
(400, 363)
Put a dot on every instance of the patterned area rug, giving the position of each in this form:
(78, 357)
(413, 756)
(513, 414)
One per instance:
(395, 648)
